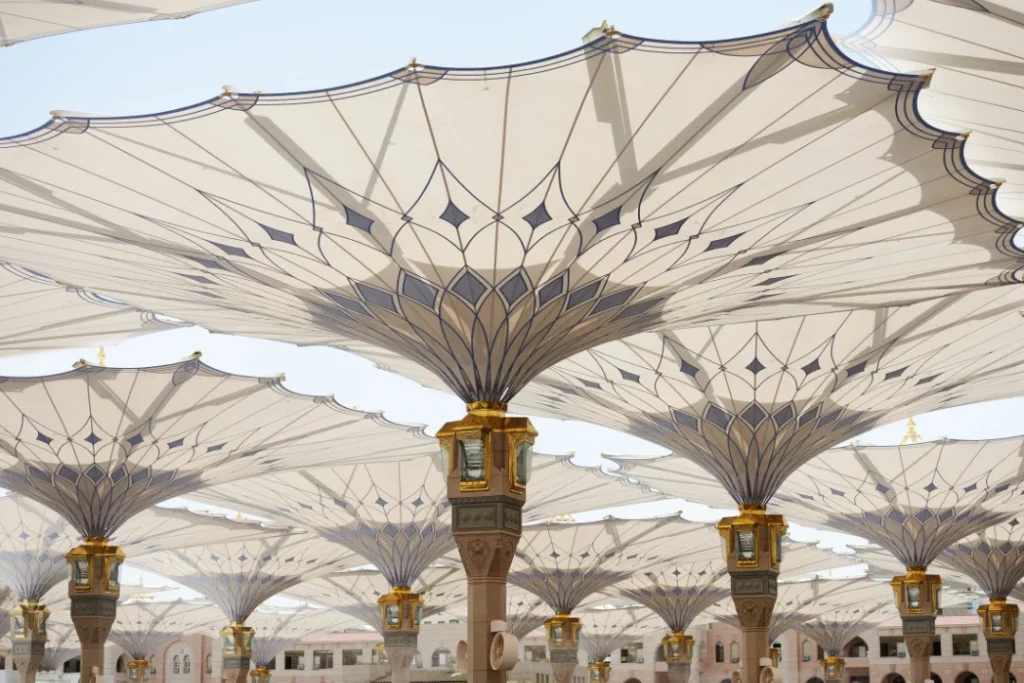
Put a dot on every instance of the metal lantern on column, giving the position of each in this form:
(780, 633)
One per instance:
(599, 672)
(236, 640)
(744, 537)
(96, 566)
(28, 621)
(677, 647)
(400, 610)
(260, 674)
(138, 670)
(999, 618)
(917, 592)
(833, 667)
(563, 631)
(467, 447)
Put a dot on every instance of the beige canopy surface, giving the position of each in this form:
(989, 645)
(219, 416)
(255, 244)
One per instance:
(22, 20)
(99, 445)
(833, 629)
(977, 50)
(144, 626)
(487, 223)
(752, 403)
(41, 314)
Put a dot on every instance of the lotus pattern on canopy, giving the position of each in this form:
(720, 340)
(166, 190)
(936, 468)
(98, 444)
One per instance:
(993, 558)
(832, 630)
(98, 445)
(752, 403)
(487, 223)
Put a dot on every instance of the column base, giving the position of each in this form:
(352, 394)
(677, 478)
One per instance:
(1000, 656)
(27, 656)
(563, 664)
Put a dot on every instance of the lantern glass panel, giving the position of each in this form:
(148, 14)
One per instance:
(471, 460)
(914, 597)
(114, 581)
(745, 543)
(417, 614)
(673, 649)
(524, 462)
(19, 625)
(80, 571)
(557, 635)
(41, 621)
(997, 621)
(392, 615)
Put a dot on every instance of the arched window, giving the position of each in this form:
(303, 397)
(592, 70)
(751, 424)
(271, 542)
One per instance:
(176, 665)
(805, 651)
(936, 679)
(734, 653)
(856, 648)
(441, 657)
(209, 664)
(186, 665)
(119, 666)
(719, 652)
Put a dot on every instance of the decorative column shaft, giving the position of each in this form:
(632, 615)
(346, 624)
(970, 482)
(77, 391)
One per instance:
(400, 612)
(599, 672)
(753, 553)
(833, 669)
(999, 623)
(94, 588)
(487, 456)
(28, 638)
(236, 641)
(917, 598)
(563, 632)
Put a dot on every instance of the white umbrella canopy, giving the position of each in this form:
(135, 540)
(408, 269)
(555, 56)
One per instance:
(605, 630)
(275, 629)
(509, 217)
(977, 49)
(34, 540)
(99, 445)
(239, 576)
(41, 314)
(143, 626)
(753, 403)
(22, 20)
(833, 629)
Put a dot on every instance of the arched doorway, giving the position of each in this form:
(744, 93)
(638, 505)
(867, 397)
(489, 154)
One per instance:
(815, 680)
(936, 678)
(967, 677)
(120, 666)
(856, 648)
(632, 680)
(894, 678)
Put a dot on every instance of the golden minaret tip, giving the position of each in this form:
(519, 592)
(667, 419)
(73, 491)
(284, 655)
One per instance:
(911, 436)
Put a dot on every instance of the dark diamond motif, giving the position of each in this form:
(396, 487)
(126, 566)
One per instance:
(420, 291)
(230, 250)
(176, 443)
(690, 370)
(550, 291)
(43, 437)
(608, 220)
(854, 369)
(213, 449)
(514, 288)
(813, 366)
(717, 416)
(209, 263)
(452, 214)
(783, 416)
(669, 230)
(685, 419)
(538, 216)
(358, 220)
(925, 380)
(613, 300)
(348, 304)
(629, 376)
(930, 487)
(761, 260)
(583, 294)
(118, 474)
(416, 503)
(588, 383)
(895, 373)
(279, 235)
(723, 242)
(755, 366)
(94, 473)
(881, 488)
(93, 439)
(972, 487)
(377, 297)
(773, 280)
(469, 288)
(66, 472)
(753, 415)
(140, 475)
(135, 440)
(381, 502)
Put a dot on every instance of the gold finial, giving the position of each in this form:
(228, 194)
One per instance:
(101, 357)
(911, 436)
(413, 65)
(239, 518)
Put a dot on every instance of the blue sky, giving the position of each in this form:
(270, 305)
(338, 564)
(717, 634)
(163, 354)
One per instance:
(278, 45)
